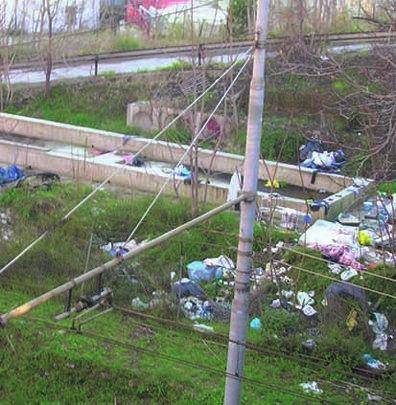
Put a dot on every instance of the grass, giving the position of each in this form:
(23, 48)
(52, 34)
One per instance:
(68, 367)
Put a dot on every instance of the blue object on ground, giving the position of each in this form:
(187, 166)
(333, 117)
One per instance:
(256, 324)
(10, 174)
(198, 271)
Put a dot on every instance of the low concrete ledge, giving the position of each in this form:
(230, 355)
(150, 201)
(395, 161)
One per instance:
(167, 151)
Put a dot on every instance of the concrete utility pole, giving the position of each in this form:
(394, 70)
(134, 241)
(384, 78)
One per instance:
(240, 304)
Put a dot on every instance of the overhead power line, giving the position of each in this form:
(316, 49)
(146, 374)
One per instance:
(118, 169)
(335, 279)
(168, 180)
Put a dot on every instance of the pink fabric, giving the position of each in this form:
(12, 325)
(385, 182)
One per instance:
(341, 254)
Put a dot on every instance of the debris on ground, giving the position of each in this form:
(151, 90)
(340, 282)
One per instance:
(200, 327)
(39, 180)
(187, 288)
(373, 363)
(379, 327)
(256, 324)
(10, 174)
(311, 387)
(313, 156)
(132, 160)
(5, 226)
(119, 248)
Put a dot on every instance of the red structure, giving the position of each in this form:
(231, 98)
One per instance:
(135, 11)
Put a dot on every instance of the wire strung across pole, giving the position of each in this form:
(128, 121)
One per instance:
(187, 363)
(167, 181)
(336, 279)
(363, 272)
(111, 175)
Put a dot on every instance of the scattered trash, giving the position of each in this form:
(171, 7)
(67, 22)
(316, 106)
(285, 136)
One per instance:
(119, 248)
(198, 271)
(131, 160)
(276, 304)
(365, 238)
(343, 255)
(325, 161)
(182, 172)
(309, 344)
(256, 324)
(40, 180)
(272, 184)
(223, 266)
(379, 327)
(10, 174)
(200, 327)
(373, 397)
(305, 302)
(311, 387)
(195, 308)
(324, 233)
(309, 310)
(348, 274)
(348, 219)
(351, 321)
(137, 303)
(373, 363)
(187, 288)
(307, 150)
(235, 187)
(335, 268)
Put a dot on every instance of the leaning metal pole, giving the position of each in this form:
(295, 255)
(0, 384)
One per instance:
(240, 304)
(27, 307)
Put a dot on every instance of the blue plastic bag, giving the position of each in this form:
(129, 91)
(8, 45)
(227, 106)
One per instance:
(10, 174)
(198, 271)
(256, 324)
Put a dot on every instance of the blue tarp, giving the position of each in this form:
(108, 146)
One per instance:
(10, 174)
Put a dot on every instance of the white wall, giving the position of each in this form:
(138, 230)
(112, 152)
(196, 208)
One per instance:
(26, 14)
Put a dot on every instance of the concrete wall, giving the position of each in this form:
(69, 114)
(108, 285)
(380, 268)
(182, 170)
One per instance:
(166, 151)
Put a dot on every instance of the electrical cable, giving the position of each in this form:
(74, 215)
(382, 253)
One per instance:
(168, 180)
(364, 272)
(111, 175)
(336, 279)
(187, 363)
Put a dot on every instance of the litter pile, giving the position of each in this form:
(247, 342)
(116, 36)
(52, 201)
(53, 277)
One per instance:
(313, 156)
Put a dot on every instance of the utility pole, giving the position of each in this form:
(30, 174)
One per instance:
(240, 303)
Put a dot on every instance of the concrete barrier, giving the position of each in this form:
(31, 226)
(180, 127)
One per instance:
(168, 152)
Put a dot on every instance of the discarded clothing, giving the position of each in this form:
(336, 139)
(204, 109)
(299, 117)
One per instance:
(341, 254)
(307, 150)
(379, 327)
(10, 174)
(187, 288)
(325, 161)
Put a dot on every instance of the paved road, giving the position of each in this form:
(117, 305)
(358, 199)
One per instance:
(133, 66)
